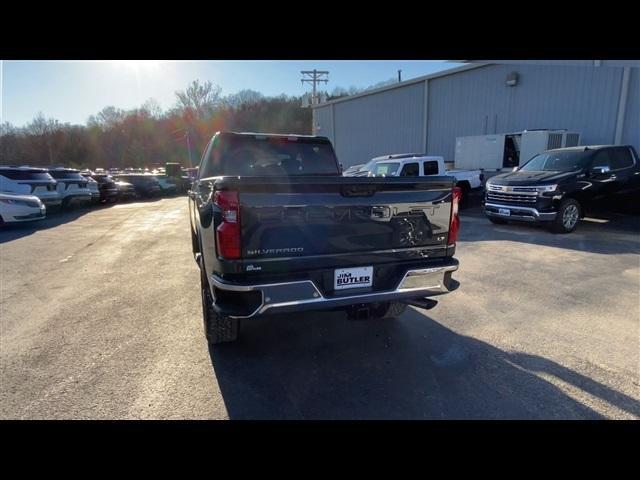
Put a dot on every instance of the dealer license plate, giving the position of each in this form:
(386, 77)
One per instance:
(353, 278)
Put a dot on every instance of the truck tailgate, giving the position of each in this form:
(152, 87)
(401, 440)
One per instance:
(309, 216)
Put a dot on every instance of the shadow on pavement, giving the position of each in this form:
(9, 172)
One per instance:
(322, 366)
(603, 231)
(57, 216)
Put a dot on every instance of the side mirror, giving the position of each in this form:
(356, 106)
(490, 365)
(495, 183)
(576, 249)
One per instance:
(599, 170)
(515, 169)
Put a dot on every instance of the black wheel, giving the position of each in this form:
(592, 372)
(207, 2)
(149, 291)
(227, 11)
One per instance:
(497, 221)
(217, 328)
(569, 214)
(388, 310)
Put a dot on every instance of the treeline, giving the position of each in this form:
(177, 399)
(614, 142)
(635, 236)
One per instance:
(147, 136)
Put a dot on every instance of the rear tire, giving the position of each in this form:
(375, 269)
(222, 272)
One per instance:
(569, 214)
(497, 221)
(217, 328)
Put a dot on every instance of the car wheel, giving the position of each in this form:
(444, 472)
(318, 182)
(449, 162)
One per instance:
(497, 221)
(568, 216)
(217, 328)
(388, 310)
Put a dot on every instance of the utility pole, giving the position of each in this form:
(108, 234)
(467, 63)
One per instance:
(314, 77)
(189, 148)
(186, 135)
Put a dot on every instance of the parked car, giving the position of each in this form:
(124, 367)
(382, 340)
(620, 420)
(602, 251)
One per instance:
(417, 165)
(276, 228)
(72, 186)
(167, 185)
(558, 186)
(145, 185)
(107, 187)
(30, 181)
(93, 185)
(126, 190)
(360, 170)
(20, 208)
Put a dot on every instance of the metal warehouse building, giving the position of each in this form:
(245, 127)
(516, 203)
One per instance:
(600, 99)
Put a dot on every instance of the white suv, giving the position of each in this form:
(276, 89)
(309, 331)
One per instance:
(72, 187)
(20, 208)
(30, 181)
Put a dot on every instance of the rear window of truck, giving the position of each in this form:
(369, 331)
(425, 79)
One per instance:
(260, 156)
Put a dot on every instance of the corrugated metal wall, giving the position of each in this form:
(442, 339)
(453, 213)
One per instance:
(478, 102)
(323, 122)
(631, 127)
(384, 123)
(584, 99)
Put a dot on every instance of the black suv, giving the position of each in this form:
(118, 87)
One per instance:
(145, 185)
(557, 186)
(107, 186)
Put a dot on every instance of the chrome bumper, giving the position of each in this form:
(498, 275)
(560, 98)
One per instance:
(304, 295)
(526, 214)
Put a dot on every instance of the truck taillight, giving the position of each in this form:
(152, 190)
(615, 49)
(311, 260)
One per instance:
(228, 232)
(454, 227)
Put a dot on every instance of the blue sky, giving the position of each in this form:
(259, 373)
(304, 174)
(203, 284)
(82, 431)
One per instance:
(70, 91)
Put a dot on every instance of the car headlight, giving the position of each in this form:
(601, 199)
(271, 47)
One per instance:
(26, 203)
(546, 188)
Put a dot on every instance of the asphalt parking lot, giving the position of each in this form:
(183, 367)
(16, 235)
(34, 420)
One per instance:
(101, 319)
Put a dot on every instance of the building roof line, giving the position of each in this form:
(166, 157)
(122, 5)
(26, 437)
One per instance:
(412, 81)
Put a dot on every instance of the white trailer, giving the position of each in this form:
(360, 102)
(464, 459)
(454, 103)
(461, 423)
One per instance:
(507, 150)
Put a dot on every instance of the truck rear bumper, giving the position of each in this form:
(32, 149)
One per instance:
(305, 295)
(524, 214)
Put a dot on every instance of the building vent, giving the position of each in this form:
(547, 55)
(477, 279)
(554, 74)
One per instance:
(573, 139)
(555, 141)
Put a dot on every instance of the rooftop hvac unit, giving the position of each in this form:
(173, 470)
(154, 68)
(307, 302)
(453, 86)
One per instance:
(508, 150)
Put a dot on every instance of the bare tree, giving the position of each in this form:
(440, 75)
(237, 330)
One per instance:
(152, 107)
(243, 98)
(45, 130)
(201, 99)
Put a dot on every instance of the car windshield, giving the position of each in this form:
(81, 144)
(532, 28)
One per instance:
(384, 169)
(567, 161)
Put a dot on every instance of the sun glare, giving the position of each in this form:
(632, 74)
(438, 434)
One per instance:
(136, 66)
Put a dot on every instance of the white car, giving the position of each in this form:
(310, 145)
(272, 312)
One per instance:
(20, 208)
(72, 186)
(30, 181)
(416, 165)
(94, 187)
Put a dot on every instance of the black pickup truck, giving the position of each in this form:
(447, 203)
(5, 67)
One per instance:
(558, 186)
(276, 228)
